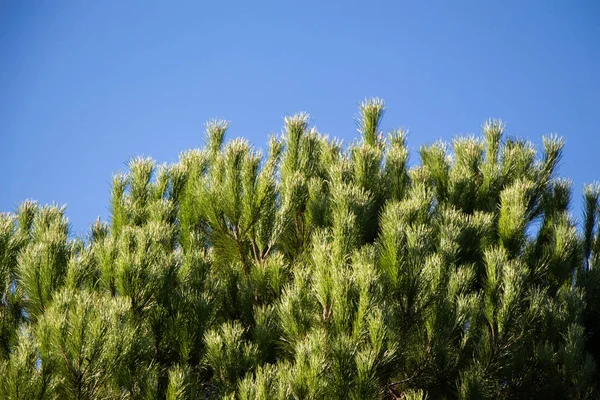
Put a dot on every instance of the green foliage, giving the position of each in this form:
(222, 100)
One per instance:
(315, 272)
(85, 337)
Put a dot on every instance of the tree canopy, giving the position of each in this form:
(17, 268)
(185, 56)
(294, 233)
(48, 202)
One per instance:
(316, 271)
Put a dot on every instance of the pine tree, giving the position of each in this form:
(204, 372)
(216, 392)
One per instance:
(316, 271)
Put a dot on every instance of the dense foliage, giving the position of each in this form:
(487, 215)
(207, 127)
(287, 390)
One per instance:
(316, 272)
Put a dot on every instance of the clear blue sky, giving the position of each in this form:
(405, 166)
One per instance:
(85, 85)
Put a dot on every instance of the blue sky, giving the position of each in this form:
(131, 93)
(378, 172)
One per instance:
(85, 85)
